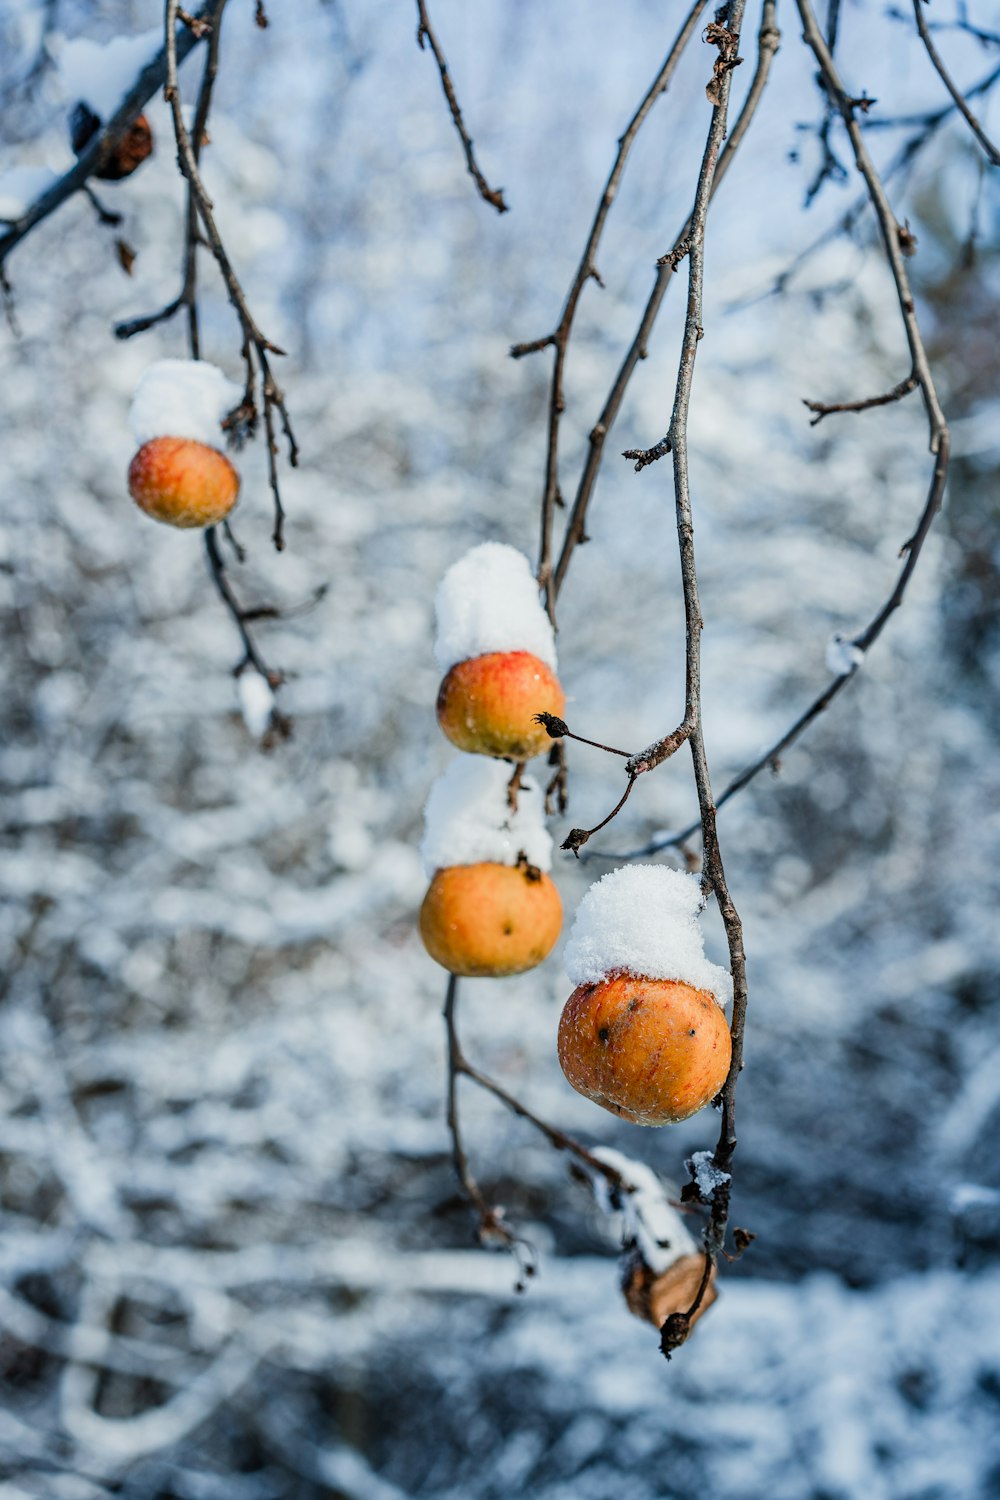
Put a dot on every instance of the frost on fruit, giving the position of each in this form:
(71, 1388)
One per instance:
(643, 920)
(468, 819)
(183, 398)
(488, 601)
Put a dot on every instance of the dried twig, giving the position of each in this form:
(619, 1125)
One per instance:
(823, 409)
(425, 32)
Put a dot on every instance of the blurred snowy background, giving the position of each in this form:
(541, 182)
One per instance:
(233, 1266)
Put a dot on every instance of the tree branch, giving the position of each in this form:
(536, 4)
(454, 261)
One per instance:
(493, 196)
(961, 103)
(768, 41)
(586, 271)
(938, 433)
(257, 349)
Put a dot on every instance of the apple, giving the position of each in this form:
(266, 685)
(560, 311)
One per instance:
(653, 1051)
(486, 705)
(490, 920)
(183, 482)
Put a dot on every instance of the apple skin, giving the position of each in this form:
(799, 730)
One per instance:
(183, 482)
(653, 1051)
(490, 920)
(486, 704)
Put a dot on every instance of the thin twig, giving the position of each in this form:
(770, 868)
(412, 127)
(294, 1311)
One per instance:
(939, 441)
(577, 837)
(257, 349)
(768, 41)
(491, 1223)
(587, 271)
(727, 40)
(425, 31)
(961, 103)
(823, 409)
(558, 729)
(187, 296)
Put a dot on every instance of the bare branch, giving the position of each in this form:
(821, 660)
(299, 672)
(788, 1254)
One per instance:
(939, 436)
(491, 1223)
(822, 409)
(242, 618)
(425, 31)
(727, 40)
(586, 271)
(257, 349)
(961, 103)
(768, 41)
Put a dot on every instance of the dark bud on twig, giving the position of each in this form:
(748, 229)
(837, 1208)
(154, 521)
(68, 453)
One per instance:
(742, 1239)
(555, 728)
(575, 840)
(907, 239)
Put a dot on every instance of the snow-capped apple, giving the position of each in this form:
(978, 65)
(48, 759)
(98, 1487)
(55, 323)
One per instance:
(644, 1033)
(490, 920)
(179, 475)
(491, 908)
(488, 704)
(496, 649)
(183, 482)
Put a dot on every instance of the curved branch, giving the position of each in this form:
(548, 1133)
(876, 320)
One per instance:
(493, 196)
(961, 103)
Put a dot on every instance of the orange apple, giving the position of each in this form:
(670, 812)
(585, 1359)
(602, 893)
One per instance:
(490, 919)
(653, 1051)
(487, 704)
(183, 482)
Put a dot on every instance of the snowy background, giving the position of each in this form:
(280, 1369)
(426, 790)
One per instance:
(233, 1263)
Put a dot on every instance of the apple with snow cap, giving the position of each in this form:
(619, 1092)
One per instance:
(644, 1034)
(496, 648)
(491, 909)
(179, 475)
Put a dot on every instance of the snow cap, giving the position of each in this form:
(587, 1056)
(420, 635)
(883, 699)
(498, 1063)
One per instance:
(185, 398)
(467, 819)
(643, 920)
(488, 601)
(100, 74)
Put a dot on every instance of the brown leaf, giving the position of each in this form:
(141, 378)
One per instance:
(126, 256)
